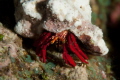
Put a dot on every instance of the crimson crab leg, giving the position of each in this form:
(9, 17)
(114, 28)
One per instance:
(42, 50)
(39, 39)
(43, 43)
(74, 50)
(42, 38)
(68, 59)
(76, 45)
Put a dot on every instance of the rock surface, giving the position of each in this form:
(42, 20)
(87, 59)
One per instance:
(26, 66)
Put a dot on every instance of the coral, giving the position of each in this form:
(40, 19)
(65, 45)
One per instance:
(14, 62)
(29, 23)
(79, 73)
(7, 46)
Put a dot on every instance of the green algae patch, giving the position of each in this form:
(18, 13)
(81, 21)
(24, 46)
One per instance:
(48, 67)
(28, 59)
(1, 37)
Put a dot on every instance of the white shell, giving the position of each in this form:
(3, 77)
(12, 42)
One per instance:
(73, 15)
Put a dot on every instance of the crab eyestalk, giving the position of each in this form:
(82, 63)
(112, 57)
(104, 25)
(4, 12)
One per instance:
(68, 42)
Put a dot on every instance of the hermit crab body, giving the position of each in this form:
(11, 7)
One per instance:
(68, 42)
(63, 20)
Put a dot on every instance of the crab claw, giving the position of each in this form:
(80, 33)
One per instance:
(72, 46)
(68, 59)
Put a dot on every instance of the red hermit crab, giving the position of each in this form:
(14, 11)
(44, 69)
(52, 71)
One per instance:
(68, 42)
(63, 21)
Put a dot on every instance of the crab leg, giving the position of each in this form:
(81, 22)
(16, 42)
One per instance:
(68, 59)
(39, 39)
(76, 46)
(42, 44)
(42, 50)
(42, 39)
(72, 48)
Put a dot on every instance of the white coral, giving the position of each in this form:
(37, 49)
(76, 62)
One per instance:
(71, 10)
(29, 8)
(23, 27)
(94, 32)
